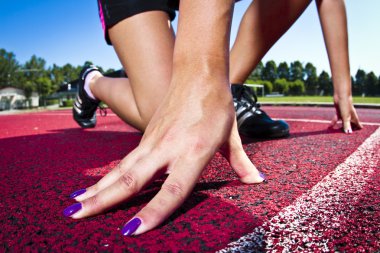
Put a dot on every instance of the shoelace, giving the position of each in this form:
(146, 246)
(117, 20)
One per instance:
(249, 96)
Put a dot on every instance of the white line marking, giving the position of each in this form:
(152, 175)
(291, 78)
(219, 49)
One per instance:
(301, 225)
(325, 121)
(286, 119)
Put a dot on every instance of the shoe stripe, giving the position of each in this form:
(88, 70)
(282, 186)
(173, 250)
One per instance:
(78, 105)
(77, 108)
(87, 71)
(241, 110)
(244, 117)
(79, 100)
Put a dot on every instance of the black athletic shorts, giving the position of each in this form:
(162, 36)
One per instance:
(113, 11)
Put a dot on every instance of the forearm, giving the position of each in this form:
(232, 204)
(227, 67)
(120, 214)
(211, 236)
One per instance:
(202, 43)
(332, 15)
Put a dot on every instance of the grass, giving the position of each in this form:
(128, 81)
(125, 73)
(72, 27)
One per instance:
(318, 99)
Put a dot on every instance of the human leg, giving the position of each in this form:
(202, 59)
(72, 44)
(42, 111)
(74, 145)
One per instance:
(332, 15)
(148, 64)
(264, 22)
(255, 37)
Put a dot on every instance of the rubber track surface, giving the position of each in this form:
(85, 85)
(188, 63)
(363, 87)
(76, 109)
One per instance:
(45, 157)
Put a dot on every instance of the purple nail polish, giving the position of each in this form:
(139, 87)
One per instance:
(131, 227)
(72, 209)
(77, 193)
(262, 175)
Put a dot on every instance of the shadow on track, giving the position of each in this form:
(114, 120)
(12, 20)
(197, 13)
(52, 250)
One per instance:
(39, 172)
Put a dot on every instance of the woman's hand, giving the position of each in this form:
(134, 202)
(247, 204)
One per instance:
(193, 121)
(183, 135)
(346, 112)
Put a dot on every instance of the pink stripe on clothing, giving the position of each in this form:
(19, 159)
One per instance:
(101, 16)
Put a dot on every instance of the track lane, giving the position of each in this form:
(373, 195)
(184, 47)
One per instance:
(42, 164)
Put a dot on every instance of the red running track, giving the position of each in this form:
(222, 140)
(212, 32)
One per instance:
(323, 193)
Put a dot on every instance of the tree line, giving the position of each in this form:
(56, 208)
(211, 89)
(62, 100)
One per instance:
(293, 79)
(35, 76)
(299, 79)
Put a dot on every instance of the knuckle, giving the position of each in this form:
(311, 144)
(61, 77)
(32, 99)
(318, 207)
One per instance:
(175, 189)
(152, 216)
(94, 188)
(199, 145)
(94, 204)
(128, 182)
(119, 169)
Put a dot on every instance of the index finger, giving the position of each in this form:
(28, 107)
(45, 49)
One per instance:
(176, 188)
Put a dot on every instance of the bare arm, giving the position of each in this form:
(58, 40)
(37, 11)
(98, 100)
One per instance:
(332, 15)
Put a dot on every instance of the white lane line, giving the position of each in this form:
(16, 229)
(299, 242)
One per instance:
(324, 121)
(286, 119)
(301, 226)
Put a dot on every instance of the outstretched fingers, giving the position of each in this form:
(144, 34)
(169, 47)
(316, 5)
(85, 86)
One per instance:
(108, 179)
(173, 193)
(123, 187)
(355, 122)
(346, 112)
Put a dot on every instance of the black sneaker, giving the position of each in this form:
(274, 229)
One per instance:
(252, 121)
(84, 108)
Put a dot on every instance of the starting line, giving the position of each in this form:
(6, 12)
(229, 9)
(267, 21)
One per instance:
(317, 211)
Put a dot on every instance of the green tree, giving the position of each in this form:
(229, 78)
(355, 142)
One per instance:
(311, 82)
(70, 72)
(371, 83)
(325, 84)
(56, 75)
(33, 72)
(296, 71)
(296, 88)
(283, 71)
(28, 89)
(8, 68)
(34, 68)
(270, 71)
(281, 86)
(268, 86)
(360, 80)
(257, 72)
(44, 86)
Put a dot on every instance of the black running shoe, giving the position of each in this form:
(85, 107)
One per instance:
(252, 121)
(84, 108)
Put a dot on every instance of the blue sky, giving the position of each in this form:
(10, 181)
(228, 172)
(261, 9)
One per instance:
(70, 32)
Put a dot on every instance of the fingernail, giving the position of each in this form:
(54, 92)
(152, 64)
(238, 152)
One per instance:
(77, 193)
(72, 209)
(348, 131)
(262, 175)
(131, 227)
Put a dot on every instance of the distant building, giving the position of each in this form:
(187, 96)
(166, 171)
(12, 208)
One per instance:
(14, 98)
